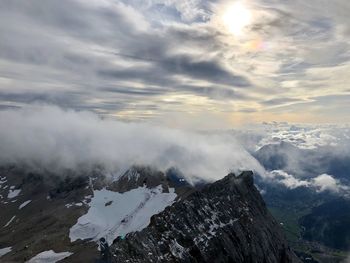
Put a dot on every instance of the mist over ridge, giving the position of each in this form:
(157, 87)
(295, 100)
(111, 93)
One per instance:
(55, 139)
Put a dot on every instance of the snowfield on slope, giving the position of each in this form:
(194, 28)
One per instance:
(5, 250)
(112, 214)
(24, 204)
(49, 256)
(13, 192)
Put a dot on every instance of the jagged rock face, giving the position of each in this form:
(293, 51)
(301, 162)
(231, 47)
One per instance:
(39, 209)
(226, 221)
(138, 176)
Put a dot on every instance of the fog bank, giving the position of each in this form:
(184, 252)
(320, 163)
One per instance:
(55, 139)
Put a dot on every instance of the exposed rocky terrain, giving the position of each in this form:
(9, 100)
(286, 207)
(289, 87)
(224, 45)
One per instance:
(50, 216)
(39, 209)
(226, 221)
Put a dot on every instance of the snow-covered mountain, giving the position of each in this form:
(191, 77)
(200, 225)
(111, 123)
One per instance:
(69, 214)
(50, 218)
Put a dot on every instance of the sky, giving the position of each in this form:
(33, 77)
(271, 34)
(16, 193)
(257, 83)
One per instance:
(179, 63)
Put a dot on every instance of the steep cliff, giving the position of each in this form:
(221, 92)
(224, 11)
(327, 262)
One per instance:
(226, 221)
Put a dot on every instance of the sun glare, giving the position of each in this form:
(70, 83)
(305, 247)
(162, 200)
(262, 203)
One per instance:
(236, 18)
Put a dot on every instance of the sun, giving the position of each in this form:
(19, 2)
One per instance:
(236, 18)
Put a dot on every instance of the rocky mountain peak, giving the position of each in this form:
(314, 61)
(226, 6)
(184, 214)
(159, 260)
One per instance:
(225, 221)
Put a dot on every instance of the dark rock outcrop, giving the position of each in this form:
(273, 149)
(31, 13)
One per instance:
(226, 221)
(138, 176)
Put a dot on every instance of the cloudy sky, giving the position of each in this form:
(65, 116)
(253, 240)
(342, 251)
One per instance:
(191, 63)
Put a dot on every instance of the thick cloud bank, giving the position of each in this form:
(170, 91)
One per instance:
(320, 183)
(302, 155)
(51, 138)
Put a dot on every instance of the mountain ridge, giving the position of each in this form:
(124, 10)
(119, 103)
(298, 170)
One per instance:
(226, 221)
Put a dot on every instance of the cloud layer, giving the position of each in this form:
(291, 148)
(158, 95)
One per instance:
(158, 58)
(320, 183)
(55, 139)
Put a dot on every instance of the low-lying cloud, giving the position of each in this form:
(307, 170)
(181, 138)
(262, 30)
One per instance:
(50, 138)
(320, 183)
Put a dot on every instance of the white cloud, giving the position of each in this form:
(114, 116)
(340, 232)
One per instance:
(52, 138)
(325, 182)
(288, 180)
(320, 183)
(304, 136)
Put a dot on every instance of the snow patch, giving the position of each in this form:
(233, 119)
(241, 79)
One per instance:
(5, 250)
(177, 250)
(85, 201)
(127, 212)
(13, 193)
(49, 256)
(9, 222)
(3, 180)
(24, 204)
